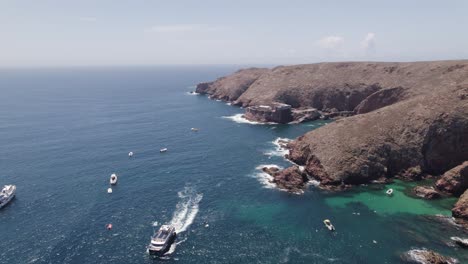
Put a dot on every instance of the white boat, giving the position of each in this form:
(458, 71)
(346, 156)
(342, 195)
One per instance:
(194, 129)
(389, 192)
(329, 225)
(163, 150)
(113, 179)
(8, 192)
(130, 154)
(109, 190)
(162, 240)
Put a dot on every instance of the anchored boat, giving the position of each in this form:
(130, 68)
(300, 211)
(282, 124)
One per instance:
(113, 179)
(389, 192)
(8, 192)
(162, 240)
(329, 225)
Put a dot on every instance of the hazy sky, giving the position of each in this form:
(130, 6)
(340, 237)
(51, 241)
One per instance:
(134, 32)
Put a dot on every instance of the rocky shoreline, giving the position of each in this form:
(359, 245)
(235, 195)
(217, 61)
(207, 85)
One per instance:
(407, 120)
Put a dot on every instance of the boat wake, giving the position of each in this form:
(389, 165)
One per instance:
(184, 215)
(186, 209)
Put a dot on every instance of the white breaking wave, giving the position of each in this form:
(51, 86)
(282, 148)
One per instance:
(264, 178)
(186, 209)
(279, 150)
(239, 118)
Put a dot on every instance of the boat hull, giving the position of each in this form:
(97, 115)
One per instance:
(165, 249)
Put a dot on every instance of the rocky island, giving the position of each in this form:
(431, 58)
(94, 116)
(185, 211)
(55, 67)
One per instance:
(403, 120)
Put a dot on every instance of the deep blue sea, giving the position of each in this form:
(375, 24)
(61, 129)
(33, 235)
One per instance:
(63, 132)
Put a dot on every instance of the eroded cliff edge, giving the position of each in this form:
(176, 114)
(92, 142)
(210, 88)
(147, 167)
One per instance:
(407, 119)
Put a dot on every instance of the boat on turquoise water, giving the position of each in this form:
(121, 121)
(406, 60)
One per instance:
(389, 192)
(162, 240)
(7, 194)
(329, 225)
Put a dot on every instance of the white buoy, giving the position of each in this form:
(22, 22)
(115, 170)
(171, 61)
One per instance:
(109, 190)
(130, 154)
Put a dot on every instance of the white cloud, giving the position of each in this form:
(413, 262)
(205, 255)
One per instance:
(181, 28)
(368, 43)
(331, 42)
(87, 19)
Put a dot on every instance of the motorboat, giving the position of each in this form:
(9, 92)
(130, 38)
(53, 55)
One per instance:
(163, 150)
(162, 240)
(8, 192)
(130, 154)
(194, 129)
(329, 225)
(389, 192)
(113, 179)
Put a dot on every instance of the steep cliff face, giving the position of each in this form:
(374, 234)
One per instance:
(460, 210)
(454, 181)
(229, 88)
(406, 115)
(429, 131)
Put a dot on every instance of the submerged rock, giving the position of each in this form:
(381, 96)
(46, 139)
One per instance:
(424, 256)
(426, 192)
(454, 181)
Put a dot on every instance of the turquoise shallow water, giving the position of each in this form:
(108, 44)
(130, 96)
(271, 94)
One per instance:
(64, 131)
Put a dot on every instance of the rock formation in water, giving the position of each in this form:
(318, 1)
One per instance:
(460, 210)
(408, 119)
(424, 256)
(426, 192)
(454, 181)
(292, 179)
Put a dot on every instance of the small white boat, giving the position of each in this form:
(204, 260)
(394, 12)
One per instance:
(163, 150)
(113, 179)
(329, 225)
(194, 129)
(7, 193)
(109, 190)
(389, 192)
(130, 154)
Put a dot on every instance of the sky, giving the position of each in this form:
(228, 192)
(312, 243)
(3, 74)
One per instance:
(41, 33)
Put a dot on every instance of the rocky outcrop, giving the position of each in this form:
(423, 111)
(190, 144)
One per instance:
(462, 242)
(380, 99)
(424, 256)
(428, 131)
(305, 115)
(229, 88)
(275, 112)
(460, 210)
(406, 115)
(426, 192)
(292, 179)
(454, 181)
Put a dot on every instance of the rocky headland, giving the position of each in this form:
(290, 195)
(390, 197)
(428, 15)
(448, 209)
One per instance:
(396, 119)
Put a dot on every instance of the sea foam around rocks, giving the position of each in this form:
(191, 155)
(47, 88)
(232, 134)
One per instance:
(264, 178)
